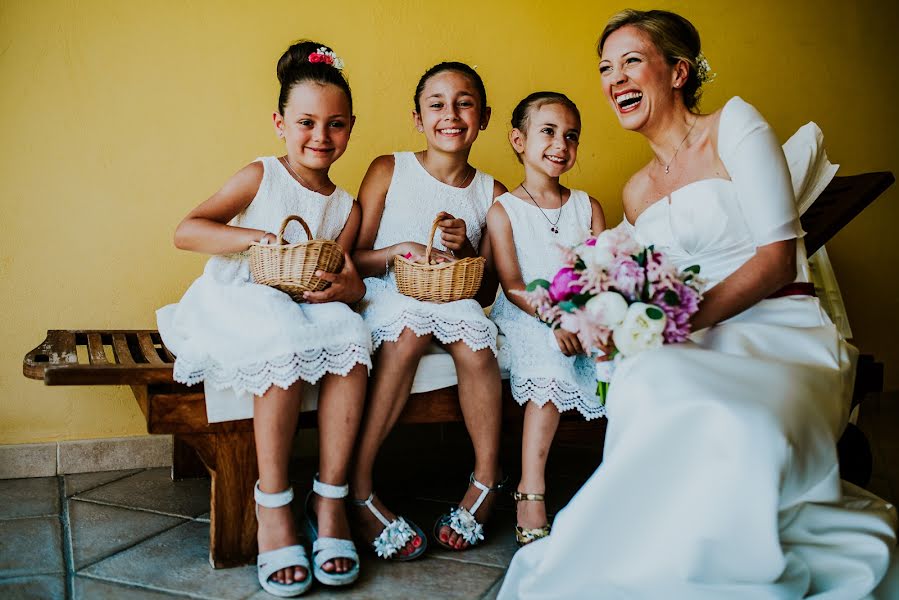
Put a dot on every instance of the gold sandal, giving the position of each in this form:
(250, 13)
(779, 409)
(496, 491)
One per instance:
(524, 536)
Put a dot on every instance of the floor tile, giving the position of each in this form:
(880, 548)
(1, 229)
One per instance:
(83, 482)
(99, 530)
(154, 489)
(177, 561)
(30, 547)
(40, 587)
(429, 578)
(493, 592)
(33, 497)
(87, 588)
(28, 460)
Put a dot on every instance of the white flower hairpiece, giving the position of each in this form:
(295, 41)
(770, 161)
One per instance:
(323, 55)
(703, 70)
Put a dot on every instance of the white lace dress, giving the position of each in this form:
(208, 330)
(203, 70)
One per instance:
(239, 337)
(413, 200)
(719, 476)
(539, 372)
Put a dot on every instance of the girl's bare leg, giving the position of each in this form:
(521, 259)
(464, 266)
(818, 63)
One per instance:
(540, 425)
(480, 398)
(340, 404)
(274, 423)
(394, 370)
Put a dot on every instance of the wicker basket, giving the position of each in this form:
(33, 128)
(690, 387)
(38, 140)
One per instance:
(445, 282)
(291, 267)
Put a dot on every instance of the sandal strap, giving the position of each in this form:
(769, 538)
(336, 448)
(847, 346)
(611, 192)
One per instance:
(525, 536)
(520, 496)
(327, 490)
(370, 506)
(326, 548)
(275, 500)
(273, 561)
(485, 489)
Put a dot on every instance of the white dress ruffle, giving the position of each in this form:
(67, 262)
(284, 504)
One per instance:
(413, 201)
(539, 372)
(239, 338)
(719, 476)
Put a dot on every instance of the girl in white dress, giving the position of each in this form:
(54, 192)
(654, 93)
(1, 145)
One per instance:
(549, 369)
(252, 345)
(400, 196)
(719, 476)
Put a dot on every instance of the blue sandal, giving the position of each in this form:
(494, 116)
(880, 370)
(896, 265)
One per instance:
(325, 549)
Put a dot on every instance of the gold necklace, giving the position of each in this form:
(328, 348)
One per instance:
(676, 150)
(468, 173)
(554, 227)
(301, 180)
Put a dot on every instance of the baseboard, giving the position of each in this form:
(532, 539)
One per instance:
(84, 456)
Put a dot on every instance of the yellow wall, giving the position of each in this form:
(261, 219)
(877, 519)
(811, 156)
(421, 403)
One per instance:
(117, 117)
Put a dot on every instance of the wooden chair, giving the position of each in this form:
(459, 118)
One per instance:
(139, 359)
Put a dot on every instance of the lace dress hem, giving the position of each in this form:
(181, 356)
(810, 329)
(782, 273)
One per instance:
(476, 336)
(563, 395)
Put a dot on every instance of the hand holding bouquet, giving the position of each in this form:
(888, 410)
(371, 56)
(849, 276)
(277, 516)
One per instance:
(619, 297)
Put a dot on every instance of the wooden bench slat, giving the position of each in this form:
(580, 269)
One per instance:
(108, 374)
(149, 349)
(120, 347)
(95, 352)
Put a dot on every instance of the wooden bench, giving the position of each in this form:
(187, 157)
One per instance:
(139, 359)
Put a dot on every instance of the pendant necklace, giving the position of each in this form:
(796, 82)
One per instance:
(676, 150)
(554, 227)
(468, 173)
(301, 180)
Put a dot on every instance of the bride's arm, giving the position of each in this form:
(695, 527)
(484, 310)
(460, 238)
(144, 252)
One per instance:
(772, 267)
(756, 165)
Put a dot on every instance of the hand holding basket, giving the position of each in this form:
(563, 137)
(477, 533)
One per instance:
(291, 267)
(444, 282)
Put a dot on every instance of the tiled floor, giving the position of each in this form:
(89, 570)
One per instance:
(138, 534)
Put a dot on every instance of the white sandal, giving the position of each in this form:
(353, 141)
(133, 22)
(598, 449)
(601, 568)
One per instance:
(328, 548)
(461, 520)
(269, 563)
(395, 535)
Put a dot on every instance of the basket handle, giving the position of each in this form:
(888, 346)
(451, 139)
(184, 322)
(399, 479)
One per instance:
(437, 219)
(287, 220)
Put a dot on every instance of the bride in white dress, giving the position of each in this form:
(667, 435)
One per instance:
(720, 476)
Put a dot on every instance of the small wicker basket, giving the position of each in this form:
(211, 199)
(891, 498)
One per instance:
(291, 267)
(445, 282)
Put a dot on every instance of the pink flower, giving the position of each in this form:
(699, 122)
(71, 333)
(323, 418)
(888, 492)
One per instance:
(590, 241)
(564, 285)
(318, 57)
(627, 277)
(685, 304)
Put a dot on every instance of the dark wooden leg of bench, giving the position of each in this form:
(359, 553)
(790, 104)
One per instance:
(231, 460)
(186, 463)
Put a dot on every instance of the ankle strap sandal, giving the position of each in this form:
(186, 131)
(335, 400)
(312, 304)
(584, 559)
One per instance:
(462, 520)
(524, 536)
(326, 549)
(269, 563)
(395, 535)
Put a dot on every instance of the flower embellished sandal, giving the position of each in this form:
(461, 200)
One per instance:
(523, 536)
(395, 535)
(269, 563)
(328, 548)
(461, 519)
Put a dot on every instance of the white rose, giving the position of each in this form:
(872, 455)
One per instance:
(607, 308)
(640, 330)
(598, 256)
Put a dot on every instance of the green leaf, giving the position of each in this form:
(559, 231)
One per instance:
(579, 265)
(640, 258)
(671, 298)
(580, 299)
(568, 306)
(654, 313)
(692, 269)
(537, 283)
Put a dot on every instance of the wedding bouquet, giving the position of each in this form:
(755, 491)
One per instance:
(617, 295)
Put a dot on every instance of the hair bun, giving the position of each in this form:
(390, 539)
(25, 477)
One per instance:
(297, 57)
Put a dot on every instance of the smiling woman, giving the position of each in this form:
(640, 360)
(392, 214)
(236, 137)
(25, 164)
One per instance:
(719, 476)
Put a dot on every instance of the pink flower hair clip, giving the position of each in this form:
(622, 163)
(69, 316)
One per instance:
(323, 55)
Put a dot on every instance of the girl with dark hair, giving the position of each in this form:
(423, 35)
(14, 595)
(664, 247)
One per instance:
(252, 345)
(550, 372)
(719, 476)
(400, 196)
